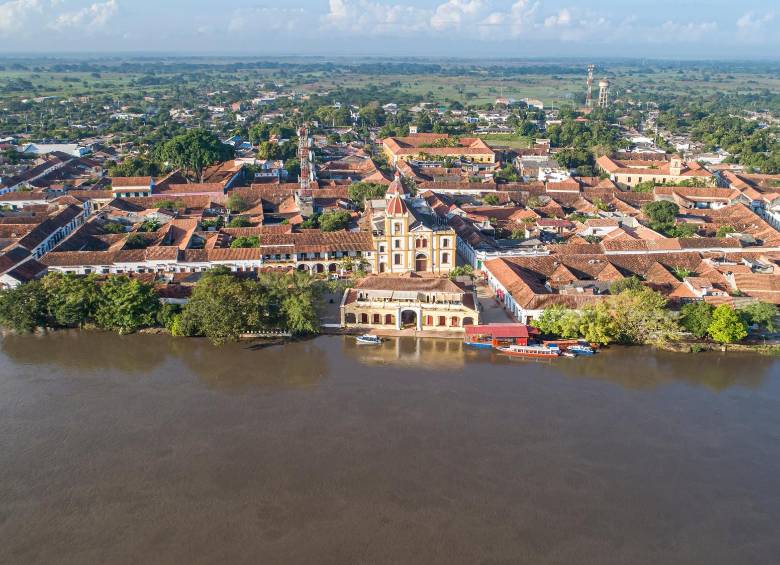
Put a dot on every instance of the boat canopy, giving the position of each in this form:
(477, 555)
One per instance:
(502, 330)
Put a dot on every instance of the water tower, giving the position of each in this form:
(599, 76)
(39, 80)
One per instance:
(603, 93)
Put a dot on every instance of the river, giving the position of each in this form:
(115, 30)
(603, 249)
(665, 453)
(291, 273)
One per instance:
(147, 449)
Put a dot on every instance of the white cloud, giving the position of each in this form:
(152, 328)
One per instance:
(364, 17)
(17, 14)
(562, 18)
(749, 21)
(453, 14)
(751, 27)
(481, 19)
(89, 18)
(266, 19)
(26, 18)
(672, 31)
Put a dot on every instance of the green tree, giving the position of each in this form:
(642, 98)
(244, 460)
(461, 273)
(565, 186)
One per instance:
(661, 213)
(236, 203)
(359, 192)
(135, 166)
(113, 227)
(628, 283)
(149, 226)
(137, 241)
(71, 300)
(597, 324)
(335, 220)
(726, 325)
(125, 305)
(723, 231)
(696, 318)
(761, 314)
(23, 308)
(194, 151)
(640, 317)
(245, 241)
(222, 307)
(559, 321)
(461, 271)
(239, 222)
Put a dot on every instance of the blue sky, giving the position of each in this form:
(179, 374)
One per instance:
(480, 28)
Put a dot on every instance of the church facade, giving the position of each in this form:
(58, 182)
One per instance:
(409, 237)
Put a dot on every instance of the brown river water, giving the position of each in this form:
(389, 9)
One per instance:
(146, 449)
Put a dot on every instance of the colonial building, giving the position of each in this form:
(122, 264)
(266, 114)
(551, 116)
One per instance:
(408, 235)
(437, 146)
(631, 172)
(409, 301)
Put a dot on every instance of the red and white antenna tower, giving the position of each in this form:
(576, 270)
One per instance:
(589, 99)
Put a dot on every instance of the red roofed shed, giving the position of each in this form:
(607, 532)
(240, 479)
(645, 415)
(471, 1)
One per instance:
(492, 335)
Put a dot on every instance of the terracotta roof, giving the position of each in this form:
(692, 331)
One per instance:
(397, 207)
(410, 281)
(131, 182)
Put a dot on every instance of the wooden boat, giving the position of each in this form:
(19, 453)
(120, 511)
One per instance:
(368, 339)
(539, 351)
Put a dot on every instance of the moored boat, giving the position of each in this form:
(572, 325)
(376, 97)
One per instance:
(581, 350)
(539, 351)
(368, 339)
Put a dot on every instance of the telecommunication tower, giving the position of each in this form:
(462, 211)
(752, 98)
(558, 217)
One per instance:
(589, 99)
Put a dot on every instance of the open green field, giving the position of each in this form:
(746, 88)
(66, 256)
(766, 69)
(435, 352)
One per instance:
(466, 82)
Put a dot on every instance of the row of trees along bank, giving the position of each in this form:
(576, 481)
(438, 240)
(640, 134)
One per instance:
(634, 314)
(222, 306)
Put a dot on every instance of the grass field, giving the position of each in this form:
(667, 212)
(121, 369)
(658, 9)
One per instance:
(475, 87)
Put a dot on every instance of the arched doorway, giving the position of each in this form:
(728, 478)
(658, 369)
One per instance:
(319, 268)
(303, 268)
(332, 268)
(350, 319)
(408, 319)
(421, 262)
(389, 320)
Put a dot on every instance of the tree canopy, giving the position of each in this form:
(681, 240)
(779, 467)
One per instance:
(194, 151)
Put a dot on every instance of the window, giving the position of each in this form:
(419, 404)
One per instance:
(445, 242)
(381, 248)
(396, 228)
(397, 259)
(445, 258)
(397, 244)
(442, 320)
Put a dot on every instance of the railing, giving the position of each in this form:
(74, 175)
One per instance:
(267, 333)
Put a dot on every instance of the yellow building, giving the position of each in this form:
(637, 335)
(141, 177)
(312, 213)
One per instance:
(398, 302)
(437, 146)
(409, 236)
(631, 172)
